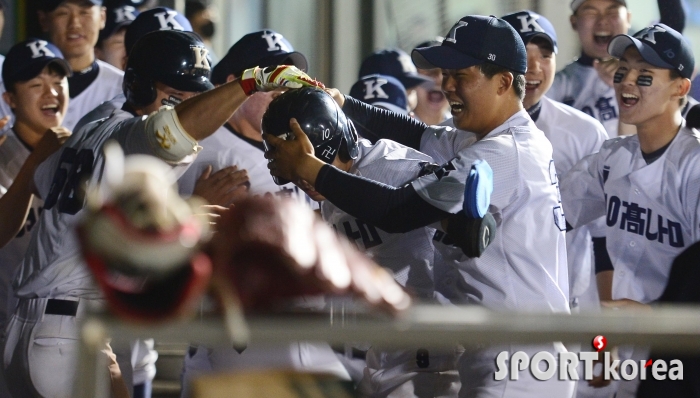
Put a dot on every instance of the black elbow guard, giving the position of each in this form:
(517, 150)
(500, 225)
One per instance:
(472, 235)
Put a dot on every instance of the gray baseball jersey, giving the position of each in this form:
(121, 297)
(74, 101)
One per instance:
(525, 266)
(652, 211)
(106, 86)
(13, 154)
(53, 265)
(409, 256)
(101, 111)
(579, 85)
(573, 135)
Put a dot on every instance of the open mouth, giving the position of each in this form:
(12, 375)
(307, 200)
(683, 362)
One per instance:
(602, 38)
(629, 99)
(50, 109)
(436, 96)
(532, 84)
(456, 107)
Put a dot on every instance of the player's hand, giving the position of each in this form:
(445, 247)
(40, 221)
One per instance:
(294, 159)
(274, 77)
(226, 186)
(599, 381)
(606, 69)
(337, 96)
(51, 141)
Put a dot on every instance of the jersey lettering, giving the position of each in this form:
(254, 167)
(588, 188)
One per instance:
(73, 169)
(558, 213)
(606, 109)
(638, 220)
(452, 35)
(648, 33)
(274, 42)
(367, 233)
(373, 89)
(200, 56)
(528, 23)
(124, 14)
(39, 49)
(167, 21)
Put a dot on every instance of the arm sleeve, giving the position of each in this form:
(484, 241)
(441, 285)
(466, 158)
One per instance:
(602, 258)
(582, 191)
(672, 14)
(395, 210)
(376, 123)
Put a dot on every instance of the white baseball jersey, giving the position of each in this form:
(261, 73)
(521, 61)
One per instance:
(101, 111)
(409, 255)
(226, 148)
(524, 268)
(652, 211)
(13, 154)
(579, 85)
(53, 266)
(106, 86)
(573, 135)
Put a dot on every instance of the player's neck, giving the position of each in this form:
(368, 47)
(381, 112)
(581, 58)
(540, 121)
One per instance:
(81, 62)
(245, 127)
(656, 133)
(27, 134)
(505, 112)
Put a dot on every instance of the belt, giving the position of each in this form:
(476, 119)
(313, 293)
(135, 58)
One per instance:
(61, 307)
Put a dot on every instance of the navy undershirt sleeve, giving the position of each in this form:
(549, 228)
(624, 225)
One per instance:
(395, 210)
(375, 123)
(601, 256)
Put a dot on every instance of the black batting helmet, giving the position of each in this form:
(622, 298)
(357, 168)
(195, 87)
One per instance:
(327, 127)
(175, 58)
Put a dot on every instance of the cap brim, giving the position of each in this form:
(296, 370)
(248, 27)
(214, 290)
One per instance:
(294, 58)
(390, 107)
(528, 38)
(411, 80)
(33, 70)
(443, 57)
(620, 43)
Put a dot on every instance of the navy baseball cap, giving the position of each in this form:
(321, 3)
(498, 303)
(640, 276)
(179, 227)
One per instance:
(393, 62)
(575, 4)
(262, 48)
(381, 90)
(660, 46)
(530, 24)
(27, 59)
(159, 18)
(473, 40)
(50, 5)
(117, 18)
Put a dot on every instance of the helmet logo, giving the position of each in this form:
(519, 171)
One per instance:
(200, 56)
(274, 42)
(167, 21)
(328, 153)
(373, 89)
(39, 49)
(124, 14)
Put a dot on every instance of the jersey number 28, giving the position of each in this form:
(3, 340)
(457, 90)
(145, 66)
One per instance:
(73, 168)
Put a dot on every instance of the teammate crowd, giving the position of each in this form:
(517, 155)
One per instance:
(470, 169)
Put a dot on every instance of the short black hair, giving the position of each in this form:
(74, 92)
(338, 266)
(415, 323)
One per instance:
(10, 86)
(490, 70)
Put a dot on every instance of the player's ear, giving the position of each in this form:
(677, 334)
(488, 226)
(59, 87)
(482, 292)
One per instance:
(43, 21)
(572, 20)
(9, 99)
(682, 87)
(505, 82)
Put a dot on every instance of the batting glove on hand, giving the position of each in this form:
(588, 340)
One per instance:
(274, 77)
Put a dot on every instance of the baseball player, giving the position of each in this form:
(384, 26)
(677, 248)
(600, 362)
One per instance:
(484, 83)
(38, 94)
(53, 285)
(409, 256)
(645, 185)
(110, 44)
(395, 62)
(573, 135)
(160, 18)
(431, 106)
(73, 26)
(239, 142)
